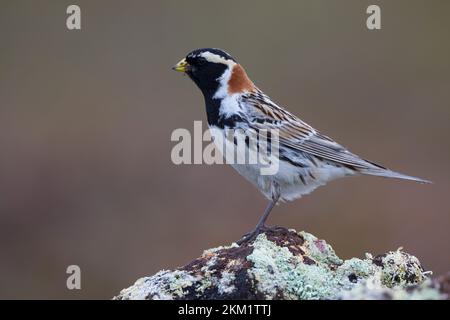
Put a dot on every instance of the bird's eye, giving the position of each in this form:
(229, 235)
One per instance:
(201, 61)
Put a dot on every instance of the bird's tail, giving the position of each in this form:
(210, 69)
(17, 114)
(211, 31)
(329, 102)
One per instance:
(381, 172)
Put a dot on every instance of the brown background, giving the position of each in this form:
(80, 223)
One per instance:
(86, 118)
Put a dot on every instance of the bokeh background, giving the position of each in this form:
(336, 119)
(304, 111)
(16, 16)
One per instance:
(86, 118)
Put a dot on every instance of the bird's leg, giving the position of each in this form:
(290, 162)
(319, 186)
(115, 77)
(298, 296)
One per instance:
(261, 226)
(262, 221)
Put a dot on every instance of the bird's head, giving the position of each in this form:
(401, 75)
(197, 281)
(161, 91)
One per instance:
(215, 72)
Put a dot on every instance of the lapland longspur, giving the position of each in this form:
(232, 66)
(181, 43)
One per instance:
(307, 158)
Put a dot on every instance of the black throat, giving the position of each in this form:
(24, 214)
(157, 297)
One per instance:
(212, 110)
(208, 83)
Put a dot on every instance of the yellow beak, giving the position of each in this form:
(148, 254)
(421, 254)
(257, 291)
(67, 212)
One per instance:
(181, 66)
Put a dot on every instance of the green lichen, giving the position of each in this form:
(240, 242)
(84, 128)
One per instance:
(353, 270)
(225, 284)
(277, 270)
(401, 269)
(210, 279)
(425, 292)
(289, 265)
(165, 285)
(373, 289)
(179, 280)
(205, 283)
(319, 250)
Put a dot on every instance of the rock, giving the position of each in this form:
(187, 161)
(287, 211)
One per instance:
(284, 264)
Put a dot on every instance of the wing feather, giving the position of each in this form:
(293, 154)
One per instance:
(297, 135)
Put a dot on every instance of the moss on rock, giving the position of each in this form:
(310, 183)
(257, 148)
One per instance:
(285, 264)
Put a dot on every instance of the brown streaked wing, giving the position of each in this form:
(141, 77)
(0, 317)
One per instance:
(298, 135)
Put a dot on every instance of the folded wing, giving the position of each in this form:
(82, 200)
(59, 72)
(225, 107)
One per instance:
(298, 135)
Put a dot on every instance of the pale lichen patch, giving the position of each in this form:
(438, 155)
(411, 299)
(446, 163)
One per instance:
(165, 285)
(400, 268)
(276, 271)
(225, 285)
(284, 264)
(319, 250)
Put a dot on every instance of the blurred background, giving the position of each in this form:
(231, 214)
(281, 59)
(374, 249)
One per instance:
(86, 117)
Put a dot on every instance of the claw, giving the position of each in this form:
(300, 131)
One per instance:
(248, 237)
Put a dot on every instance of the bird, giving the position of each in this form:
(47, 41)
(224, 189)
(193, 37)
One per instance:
(307, 158)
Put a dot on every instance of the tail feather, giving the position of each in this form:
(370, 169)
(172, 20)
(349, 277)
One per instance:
(392, 174)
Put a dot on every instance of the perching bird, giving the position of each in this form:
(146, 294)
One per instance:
(307, 158)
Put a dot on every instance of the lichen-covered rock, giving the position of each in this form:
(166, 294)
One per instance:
(284, 264)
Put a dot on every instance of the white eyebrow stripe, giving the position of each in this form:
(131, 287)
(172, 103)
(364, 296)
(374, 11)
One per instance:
(211, 57)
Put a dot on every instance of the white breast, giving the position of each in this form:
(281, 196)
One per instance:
(293, 181)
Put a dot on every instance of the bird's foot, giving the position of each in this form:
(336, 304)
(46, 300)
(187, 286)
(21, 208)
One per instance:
(248, 237)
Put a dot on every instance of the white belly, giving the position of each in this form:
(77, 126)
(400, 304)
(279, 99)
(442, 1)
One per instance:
(293, 181)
